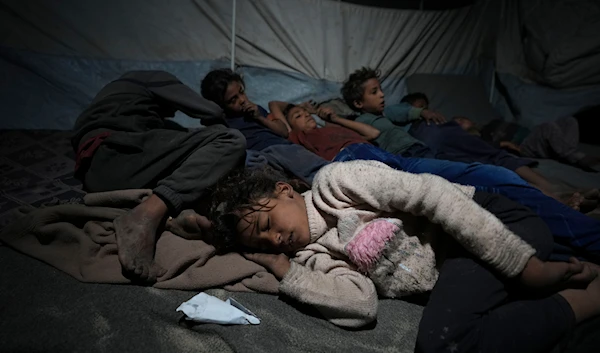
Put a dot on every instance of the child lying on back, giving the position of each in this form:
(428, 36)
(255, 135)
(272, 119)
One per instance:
(366, 229)
(337, 134)
(338, 143)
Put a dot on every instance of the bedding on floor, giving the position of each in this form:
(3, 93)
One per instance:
(52, 309)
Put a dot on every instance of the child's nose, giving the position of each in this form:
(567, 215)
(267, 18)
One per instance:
(276, 238)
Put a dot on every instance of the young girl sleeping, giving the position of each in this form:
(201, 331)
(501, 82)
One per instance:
(365, 229)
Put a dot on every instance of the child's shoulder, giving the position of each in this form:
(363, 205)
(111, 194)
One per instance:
(348, 169)
(366, 117)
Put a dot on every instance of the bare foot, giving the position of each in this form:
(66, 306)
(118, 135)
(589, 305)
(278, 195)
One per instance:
(136, 234)
(189, 225)
(574, 201)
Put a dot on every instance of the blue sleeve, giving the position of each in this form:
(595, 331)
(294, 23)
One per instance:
(402, 113)
(262, 111)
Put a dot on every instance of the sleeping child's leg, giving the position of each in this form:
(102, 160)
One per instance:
(296, 159)
(467, 310)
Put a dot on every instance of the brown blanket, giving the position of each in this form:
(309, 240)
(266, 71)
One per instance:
(80, 240)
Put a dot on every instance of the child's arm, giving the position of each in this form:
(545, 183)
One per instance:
(510, 146)
(405, 113)
(390, 190)
(342, 295)
(275, 125)
(276, 108)
(341, 185)
(366, 131)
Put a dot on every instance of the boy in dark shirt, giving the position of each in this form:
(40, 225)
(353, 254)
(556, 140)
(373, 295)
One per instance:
(265, 136)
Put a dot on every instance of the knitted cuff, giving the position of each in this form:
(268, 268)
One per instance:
(170, 197)
(512, 254)
(288, 283)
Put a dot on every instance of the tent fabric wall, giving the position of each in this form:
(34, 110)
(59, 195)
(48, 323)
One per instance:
(548, 57)
(123, 30)
(553, 42)
(323, 39)
(56, 55)
(329, 39)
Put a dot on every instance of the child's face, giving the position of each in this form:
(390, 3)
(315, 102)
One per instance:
(373, 99)
(235, 99)
(280, 225)
(420, 103)
(301, 120)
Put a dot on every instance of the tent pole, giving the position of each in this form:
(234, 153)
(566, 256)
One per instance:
(233, 36)
(492, 85)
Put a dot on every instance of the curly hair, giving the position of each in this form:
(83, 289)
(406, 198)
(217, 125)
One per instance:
(413, 97)
(237, 196)
(214, 85)
(353, 89)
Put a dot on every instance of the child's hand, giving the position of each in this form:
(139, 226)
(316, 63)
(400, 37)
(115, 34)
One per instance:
(251, 110)
(326, 114)
(278, 264)
(539, 274)
(189, 225)
(511, 146)
(431, 116)
(309, 106)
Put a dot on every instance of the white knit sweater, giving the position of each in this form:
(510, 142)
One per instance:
(364, 220)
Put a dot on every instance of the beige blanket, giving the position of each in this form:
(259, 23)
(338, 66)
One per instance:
(80, 240)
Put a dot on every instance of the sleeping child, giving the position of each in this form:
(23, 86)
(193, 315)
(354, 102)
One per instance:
(326, 141)
(265, 138)
(575, 233)
(365, 229)
(555, 140)
(362, 92)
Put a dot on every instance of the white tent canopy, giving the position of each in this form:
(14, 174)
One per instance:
(56, 55)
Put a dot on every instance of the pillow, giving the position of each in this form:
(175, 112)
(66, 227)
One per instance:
(454, 95)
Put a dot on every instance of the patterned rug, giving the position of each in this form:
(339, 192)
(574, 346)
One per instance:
(36, 169)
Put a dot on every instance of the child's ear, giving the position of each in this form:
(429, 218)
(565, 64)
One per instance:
(358, 104)
(284, 189)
